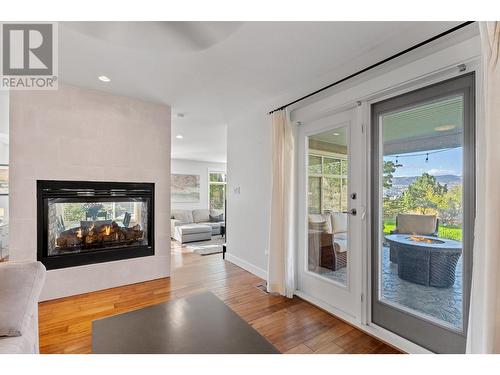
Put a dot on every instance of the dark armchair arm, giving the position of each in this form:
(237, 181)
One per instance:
(436, 231)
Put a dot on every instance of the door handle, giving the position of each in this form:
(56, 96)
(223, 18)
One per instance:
(352, 212)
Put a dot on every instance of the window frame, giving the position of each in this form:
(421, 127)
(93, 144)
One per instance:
(322, 175)
(386, 315)
(224, 183)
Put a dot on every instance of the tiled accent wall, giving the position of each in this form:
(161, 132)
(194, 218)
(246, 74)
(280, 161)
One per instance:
(79, 134)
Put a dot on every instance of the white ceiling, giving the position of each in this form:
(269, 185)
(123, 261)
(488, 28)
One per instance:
(214, 72)
(336, 136)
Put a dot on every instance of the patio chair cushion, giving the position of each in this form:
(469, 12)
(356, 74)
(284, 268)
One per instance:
(416, 224)
(340, 245)
(320, 222)
(340, 236)
(339, 222)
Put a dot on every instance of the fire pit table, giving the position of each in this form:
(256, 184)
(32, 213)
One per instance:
(425, 260)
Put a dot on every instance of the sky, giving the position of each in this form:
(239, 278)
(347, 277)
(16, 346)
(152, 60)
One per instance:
(442, 163)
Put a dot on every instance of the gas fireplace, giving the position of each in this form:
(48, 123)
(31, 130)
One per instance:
(83, 222)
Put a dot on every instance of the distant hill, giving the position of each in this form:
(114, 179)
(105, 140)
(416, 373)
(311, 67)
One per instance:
(446, 179)
(400, 184)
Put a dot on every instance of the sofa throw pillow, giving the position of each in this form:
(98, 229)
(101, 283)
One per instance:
(201, 216)
(20, 287)
(216, 218)
(185, 216)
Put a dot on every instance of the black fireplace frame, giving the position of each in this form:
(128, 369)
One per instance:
(93, 191)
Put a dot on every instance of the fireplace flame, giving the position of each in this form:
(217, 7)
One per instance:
(107, 230)
(79, 233)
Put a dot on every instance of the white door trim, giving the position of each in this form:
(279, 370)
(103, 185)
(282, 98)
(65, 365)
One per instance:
(348, 296)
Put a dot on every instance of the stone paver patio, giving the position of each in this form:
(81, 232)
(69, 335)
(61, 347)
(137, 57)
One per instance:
(444, 304)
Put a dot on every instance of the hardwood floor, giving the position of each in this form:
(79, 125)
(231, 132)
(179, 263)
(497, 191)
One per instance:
(292, 325)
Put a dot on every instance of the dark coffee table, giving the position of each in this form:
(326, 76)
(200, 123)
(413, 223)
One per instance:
(200, 324)
(425, 260)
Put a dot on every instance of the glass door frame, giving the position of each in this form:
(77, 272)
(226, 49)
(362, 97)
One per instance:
(342, 300)
(413, 327)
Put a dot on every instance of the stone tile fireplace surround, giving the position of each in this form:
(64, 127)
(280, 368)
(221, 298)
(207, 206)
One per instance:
(85, 135)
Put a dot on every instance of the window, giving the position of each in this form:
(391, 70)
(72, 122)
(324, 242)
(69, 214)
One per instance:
(327, 182)
(4, 175)
(217, 190)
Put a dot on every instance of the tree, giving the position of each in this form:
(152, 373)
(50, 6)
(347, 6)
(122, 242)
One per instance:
(217, 196)
(450, 207)
(389, 169)
(391, 205)
(424, 195)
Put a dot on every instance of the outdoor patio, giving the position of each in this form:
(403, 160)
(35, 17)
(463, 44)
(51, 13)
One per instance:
(444, 304)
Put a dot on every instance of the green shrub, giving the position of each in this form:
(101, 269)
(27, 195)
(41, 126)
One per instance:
(451, 233)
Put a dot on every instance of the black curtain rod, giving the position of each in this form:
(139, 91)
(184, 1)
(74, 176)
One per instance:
(458, 27)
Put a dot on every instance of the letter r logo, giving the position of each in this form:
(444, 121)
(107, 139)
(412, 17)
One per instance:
(27, 49)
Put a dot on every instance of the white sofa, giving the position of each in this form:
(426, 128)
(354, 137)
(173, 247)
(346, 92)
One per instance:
(20, 287)
(195, 225)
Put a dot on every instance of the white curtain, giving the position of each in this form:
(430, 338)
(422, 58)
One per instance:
(484, 319)
(280, 269)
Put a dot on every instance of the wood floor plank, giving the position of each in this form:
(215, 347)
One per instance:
(327, 337)
(299, 349)
(292, 325)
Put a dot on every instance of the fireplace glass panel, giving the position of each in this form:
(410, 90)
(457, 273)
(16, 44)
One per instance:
(77, 225)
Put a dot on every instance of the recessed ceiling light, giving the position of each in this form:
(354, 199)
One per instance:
(444, 128)
(179, 136)
(104, 79)
(335, 134)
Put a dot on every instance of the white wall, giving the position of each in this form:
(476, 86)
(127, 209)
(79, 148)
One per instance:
(78, 134)
(201, 168)
(4, 127)
(4, 159)
(249, 191)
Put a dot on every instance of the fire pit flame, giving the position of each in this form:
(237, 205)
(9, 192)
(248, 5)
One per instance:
(424, 239)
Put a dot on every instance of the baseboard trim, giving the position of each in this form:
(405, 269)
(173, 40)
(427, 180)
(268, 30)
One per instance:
(259, 272)
(71, 281)
(370, 329)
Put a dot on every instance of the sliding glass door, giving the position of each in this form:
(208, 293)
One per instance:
(423, 213)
